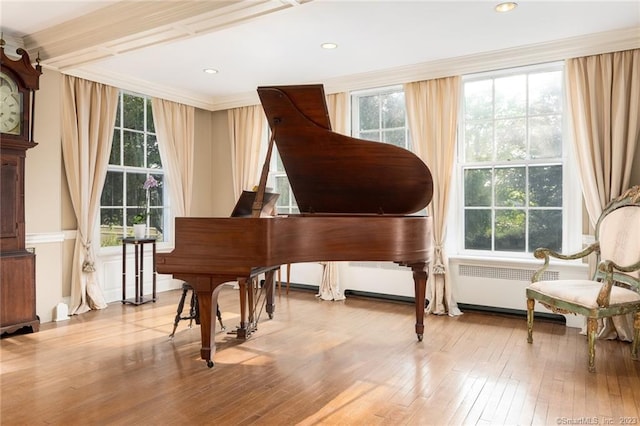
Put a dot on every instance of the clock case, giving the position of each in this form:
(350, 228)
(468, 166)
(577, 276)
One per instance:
(17, 264)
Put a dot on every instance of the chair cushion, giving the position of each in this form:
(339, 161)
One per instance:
(583, 292)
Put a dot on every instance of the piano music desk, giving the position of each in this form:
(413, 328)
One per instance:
(138, 244)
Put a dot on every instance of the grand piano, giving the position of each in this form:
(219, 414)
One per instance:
(358, 201)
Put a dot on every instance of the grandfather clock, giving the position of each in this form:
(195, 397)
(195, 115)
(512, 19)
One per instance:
(18, 83)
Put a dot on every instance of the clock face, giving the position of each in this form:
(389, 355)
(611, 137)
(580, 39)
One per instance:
(10, 106)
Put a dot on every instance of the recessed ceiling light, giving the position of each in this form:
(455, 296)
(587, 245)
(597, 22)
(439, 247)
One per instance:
(210, 71)
(506, 6)
(329, 45)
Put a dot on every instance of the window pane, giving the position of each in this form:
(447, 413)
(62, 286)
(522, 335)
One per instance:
(112, 193)
(511, 96)
(477, 187)
(151, 128)
(510, 230)
(370, 135)
(279, 163)
(131, 213)
(477, 227)
(156, 194)
(156, 221)
(153, 153)
(133, 112)
(394, 137)
(393, 111)
(545, 186)
(478, 141)
(478, 100)
(111, 227)
(545, 229)
(282, 188)
(545, 93)
(136, 195)
(510, 187)
(133, 149)
(511, 143)
(114, 158)
(545, 136)
(118, 113)
(369, 112)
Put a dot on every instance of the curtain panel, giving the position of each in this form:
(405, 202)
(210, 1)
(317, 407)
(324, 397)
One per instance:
(174, 125)
(338, 108)
(88, 117)
(603, 93)
(246, 125)
(432, 110)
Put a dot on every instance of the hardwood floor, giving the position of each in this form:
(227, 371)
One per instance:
(356, 362)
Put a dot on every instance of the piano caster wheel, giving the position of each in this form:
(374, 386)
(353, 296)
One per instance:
(419, 337)
(210, 364)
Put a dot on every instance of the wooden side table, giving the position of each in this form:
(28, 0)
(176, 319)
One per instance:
(138, 244)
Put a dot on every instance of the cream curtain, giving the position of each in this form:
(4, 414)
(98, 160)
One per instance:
(338, 108)
(174, 125)
(604, 103)
(246, 125)
(88, 116)
(432, 110)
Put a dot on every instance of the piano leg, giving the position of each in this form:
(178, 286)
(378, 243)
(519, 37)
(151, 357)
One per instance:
(245, 291)
(207, 299)
(420, 276)
(269, 282)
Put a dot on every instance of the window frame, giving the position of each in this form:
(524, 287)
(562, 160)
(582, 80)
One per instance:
(124, 170)
(571, 196)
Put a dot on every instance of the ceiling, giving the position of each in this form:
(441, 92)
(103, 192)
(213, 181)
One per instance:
(161, 47)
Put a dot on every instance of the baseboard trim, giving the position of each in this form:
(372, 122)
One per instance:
(464, 307)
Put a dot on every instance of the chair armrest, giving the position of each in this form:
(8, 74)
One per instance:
(546, 254)
(609, 269)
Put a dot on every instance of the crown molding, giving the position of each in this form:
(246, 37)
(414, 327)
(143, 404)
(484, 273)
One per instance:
(557, 50)
(144, 87)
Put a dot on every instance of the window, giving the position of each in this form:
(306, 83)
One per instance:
(512, 163)
(286, 203)
(380, 115)
(135, 189)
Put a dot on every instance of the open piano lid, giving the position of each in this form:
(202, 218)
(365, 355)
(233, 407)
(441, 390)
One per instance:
(332, 173)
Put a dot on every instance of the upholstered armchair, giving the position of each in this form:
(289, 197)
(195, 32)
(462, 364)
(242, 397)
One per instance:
(615, 286)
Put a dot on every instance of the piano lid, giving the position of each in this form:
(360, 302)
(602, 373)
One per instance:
(332, 173)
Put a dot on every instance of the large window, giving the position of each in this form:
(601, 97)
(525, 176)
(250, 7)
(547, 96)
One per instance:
(511, 155)
(135, 189)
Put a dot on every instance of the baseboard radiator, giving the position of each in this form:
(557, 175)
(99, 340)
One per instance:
(501, 273)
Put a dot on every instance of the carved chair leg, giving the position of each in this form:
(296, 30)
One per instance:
(592, 328)
(530, 305)
(635, 346)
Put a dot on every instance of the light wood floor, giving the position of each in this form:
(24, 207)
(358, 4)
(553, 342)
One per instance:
(350, 363)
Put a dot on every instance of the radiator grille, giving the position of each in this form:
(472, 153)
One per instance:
(503, 273)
